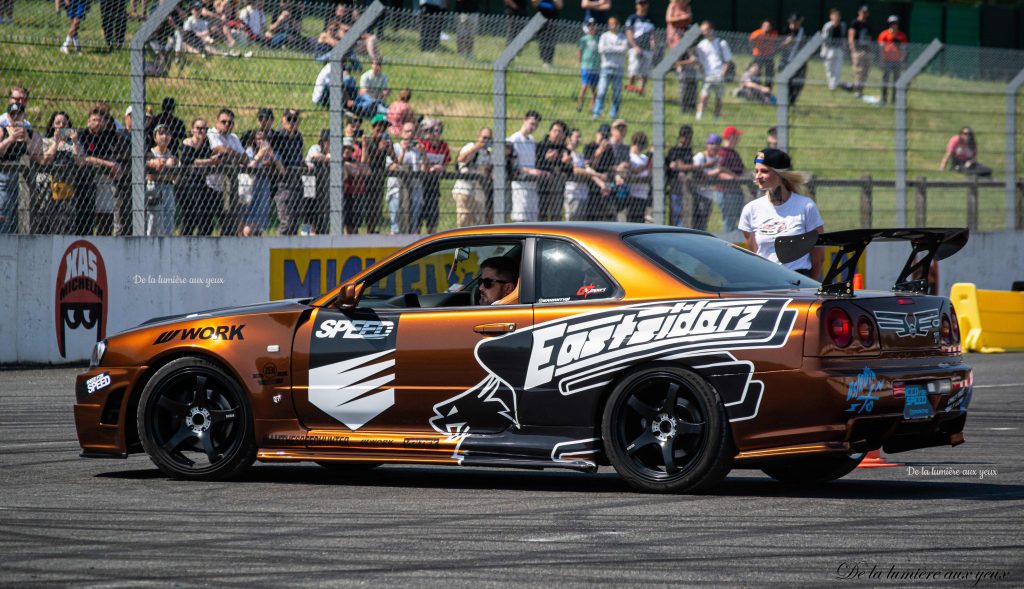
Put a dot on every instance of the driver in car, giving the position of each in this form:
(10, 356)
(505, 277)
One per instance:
(498, 278)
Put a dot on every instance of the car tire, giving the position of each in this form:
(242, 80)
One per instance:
(812, 470)
(665, 431)
(195, 421)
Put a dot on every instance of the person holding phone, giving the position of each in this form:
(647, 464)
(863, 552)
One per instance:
(16, 141)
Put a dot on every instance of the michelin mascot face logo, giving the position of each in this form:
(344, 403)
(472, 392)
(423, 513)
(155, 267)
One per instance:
(584, 352)
(80, 299)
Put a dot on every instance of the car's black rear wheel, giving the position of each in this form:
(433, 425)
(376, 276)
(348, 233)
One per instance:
(665, 430)
(810, 470)
(195, 421)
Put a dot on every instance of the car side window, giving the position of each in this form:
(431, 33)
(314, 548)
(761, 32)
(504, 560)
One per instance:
(440, 277)
(564, 274)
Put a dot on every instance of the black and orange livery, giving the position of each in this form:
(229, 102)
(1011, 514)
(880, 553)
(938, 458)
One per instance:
(667, 353)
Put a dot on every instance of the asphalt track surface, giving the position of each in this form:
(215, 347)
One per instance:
(66, 520)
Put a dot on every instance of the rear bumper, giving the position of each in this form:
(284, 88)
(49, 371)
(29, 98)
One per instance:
(850, 406)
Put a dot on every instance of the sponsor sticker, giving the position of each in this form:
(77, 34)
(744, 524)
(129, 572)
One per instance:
(356, 329)
(210, 332)
(97, 382)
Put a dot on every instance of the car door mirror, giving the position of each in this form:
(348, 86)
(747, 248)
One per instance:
(349, 296)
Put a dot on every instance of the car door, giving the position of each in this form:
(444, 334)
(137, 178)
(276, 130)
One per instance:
(407, 350)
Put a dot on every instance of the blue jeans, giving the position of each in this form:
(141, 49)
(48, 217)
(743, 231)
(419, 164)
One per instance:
(160, 215)
(613, 77)
(257, 214)
(10, 190)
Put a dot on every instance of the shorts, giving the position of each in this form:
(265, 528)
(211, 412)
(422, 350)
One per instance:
(589, 77)
(77, 8)
(640, 62)
(714, 84)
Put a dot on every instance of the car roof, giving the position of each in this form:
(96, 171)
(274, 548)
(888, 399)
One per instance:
(566, 228)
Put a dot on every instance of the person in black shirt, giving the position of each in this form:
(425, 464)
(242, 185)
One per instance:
(199, 204)
(104, 151)
(861, 45)
(287, 143)
(553, 157)
(175, 126)
(679, 164)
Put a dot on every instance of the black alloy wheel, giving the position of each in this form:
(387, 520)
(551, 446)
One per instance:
(665, 430)
(195, 422)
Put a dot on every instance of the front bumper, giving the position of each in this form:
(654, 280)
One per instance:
(105, 425)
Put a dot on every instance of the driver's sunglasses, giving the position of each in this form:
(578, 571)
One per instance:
(489, 282)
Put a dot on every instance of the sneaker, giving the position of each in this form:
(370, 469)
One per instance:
(65, 50)
(698, 116)
(234, 54)
(247, 54)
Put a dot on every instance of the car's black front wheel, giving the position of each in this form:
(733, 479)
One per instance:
(665, 430)
(195, 421)
(811, 470)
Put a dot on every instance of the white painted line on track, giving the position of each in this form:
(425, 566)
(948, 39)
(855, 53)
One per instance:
(996, 386)
(1002, 429)
(35, 445)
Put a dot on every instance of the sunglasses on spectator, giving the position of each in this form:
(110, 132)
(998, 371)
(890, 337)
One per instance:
(489, 282)
(198, 128)
(227, 122)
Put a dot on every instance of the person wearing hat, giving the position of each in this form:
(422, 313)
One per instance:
(859, 39)
(590, 64)
(264, 123)
(781, 210)
(894, 50)
(377, 151)
(707, 169)
(16, 141)
(731, 170)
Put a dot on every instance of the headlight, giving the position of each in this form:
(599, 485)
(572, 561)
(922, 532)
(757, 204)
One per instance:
(97, 353)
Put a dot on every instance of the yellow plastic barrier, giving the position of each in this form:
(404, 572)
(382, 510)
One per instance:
(990, 320)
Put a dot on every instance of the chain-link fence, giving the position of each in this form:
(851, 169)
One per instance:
(238, 125)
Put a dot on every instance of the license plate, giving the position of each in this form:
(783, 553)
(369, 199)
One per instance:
(917, 405)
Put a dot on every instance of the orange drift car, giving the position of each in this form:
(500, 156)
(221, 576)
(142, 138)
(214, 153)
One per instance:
(667, 353)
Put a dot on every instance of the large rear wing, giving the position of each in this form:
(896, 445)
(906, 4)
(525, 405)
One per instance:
(926, 245)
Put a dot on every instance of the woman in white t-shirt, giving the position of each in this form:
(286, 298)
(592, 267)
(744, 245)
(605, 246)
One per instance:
(781, 211)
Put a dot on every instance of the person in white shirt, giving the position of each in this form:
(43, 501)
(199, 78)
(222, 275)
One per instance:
(525, 199)
(227, 150)
(714, 55)
(253, 18)
(20, 95)
(781, 211)
(373, 91)
(638, 180)
(405, 194)
(469, 194)
(612, 47)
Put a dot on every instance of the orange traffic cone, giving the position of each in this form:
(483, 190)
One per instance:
(874, 459)
(858, 282)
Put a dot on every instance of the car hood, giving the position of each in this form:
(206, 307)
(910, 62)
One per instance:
(255, 308)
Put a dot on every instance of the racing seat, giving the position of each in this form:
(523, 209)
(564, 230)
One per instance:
(511, 298)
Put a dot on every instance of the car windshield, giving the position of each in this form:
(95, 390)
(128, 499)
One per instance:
(708, 263)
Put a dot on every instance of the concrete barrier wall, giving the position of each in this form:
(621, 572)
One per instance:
(150, 277)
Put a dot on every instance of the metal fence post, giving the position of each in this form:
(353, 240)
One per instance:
(902, 84)
(501, 112)
(137, 57)
(336, 167)
(658, 74)
(782, 110)
(921, 202)
(866, 205)
(1011, 149)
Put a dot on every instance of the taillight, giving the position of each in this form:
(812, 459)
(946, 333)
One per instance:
(839, 327)
(866, 332)
(955, 324)
(945, 330)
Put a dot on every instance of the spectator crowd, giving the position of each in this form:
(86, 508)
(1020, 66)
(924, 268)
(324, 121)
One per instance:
(205, 177)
